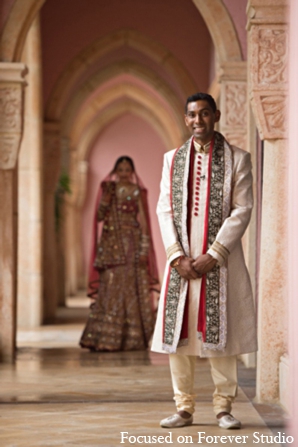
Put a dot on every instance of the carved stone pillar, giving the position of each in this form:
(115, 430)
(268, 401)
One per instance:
(268, 54)
(30, 171)
(235, 125)
(52, 167)
(11, 119)
(267, 58)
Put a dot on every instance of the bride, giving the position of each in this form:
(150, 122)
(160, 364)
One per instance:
(123, 266)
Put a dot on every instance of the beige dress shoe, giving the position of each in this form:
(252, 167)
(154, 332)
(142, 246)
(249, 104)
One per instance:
(228, 421)
(176, 421)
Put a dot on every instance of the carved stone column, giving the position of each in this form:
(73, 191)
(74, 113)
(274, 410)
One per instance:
(52, 167)
(235, 125)
(11, 119)
(267, 59)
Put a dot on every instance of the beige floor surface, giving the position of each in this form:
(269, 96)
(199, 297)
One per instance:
(70, 397)
(60, 395)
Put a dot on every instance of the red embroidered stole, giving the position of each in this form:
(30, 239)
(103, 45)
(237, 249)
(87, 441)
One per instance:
(202, 307)
(184, 329)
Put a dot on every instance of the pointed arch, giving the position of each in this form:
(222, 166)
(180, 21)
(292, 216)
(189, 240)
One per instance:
(72, 75)
(165, 98)
(122, 96)
(214, 13)
(113, 112)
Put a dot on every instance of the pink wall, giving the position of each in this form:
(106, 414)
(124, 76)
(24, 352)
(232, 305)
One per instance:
(293, 217)
(128, 135)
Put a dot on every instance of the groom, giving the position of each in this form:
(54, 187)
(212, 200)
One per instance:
(206, 307)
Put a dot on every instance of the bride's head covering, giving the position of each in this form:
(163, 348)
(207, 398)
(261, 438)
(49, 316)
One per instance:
(94, 273)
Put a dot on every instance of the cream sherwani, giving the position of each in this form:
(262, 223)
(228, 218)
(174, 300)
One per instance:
(227, 249)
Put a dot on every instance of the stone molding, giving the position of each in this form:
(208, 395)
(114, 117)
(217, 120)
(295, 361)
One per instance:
(11, 112)
(268, 71)
(265, 11)
(52, 155)
(233, 71)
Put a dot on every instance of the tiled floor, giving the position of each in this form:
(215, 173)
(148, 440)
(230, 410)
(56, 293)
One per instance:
(60, 395)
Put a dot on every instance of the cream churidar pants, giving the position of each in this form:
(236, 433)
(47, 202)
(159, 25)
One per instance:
(224, 375)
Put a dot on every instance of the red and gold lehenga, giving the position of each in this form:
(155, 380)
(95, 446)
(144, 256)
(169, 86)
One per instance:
(123, 272)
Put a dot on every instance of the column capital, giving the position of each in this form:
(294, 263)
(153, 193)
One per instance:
(233, 71)
(268, 64)
(233, 101)
(13, 72)
(233, 104)
(12, 85)
(266, 12)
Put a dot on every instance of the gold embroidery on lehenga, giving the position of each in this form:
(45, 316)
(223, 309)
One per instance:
(121, 317)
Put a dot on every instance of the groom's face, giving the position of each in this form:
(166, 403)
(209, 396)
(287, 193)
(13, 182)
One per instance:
(200, 119)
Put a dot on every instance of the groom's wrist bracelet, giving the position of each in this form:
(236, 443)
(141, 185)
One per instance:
(176, 261)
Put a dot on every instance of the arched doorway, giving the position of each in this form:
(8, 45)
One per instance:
(154, 57)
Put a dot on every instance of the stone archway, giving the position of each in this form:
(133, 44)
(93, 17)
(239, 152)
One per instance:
(113, 112)
(222, 30)
(232, 70)
(12, 41)
(139, 95)
(70, 77)
(104, 107)
(154, 89)
(114, 102)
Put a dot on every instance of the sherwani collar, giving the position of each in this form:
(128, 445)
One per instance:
(202, 149)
